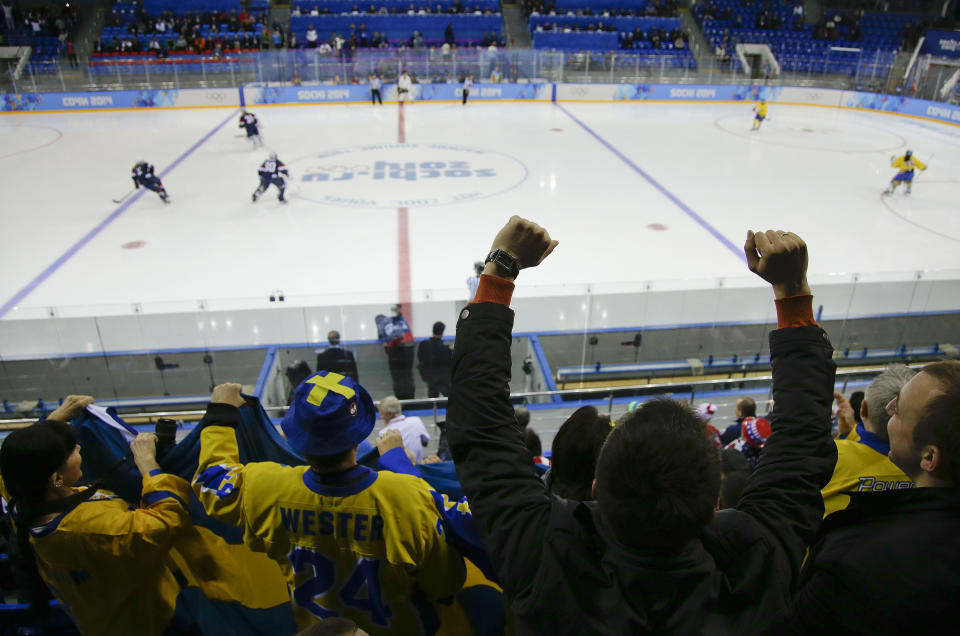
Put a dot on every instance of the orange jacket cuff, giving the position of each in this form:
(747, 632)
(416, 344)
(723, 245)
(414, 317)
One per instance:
(493, 289)
(795, 311)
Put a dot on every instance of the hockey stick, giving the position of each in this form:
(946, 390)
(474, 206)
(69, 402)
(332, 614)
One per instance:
(124, 197)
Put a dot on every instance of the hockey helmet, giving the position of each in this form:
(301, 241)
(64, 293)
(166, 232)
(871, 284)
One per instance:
(273, 156)
(909, 154)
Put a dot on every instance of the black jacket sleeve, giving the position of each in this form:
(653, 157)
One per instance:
(494, 466)
(783, 492)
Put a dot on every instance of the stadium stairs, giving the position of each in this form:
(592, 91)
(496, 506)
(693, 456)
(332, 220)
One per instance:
(699, 44)
(516, 29)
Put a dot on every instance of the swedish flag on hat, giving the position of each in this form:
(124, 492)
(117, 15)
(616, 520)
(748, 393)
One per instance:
(330, 413)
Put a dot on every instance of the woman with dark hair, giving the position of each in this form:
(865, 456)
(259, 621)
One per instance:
(576, 447)
(108, 564)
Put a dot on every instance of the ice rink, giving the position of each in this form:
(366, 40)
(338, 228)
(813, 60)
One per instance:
(385, 203)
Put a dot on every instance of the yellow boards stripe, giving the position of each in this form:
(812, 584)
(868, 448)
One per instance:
(329, 382)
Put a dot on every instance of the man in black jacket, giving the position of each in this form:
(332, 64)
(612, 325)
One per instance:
(890, 562)
(434, 360)
(336, 359)
(649, 554)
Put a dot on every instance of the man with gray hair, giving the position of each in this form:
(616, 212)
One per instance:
(414, 433)
(862, 461)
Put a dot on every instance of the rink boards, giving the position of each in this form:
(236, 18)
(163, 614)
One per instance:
(266, 95)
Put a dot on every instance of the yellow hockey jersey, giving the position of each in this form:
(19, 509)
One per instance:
(902, 164)
(862, 466)
(365, 545)
(761, 109)
(109, 564)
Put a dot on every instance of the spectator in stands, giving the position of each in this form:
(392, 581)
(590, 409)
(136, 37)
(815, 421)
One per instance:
(863, 464)
(337, 359)
(856, 399)
(522, 414)
(388, 537)
(414, 433)
(448, 35)
(573, 460)
(744, 407)
(736, 474)
(895, 552)
(754, 432)
(84, 543)
(532, 441)
(312, 37)
(72, 55)
(394, 333)
(314, 10)
(434, 360)
(589, 567)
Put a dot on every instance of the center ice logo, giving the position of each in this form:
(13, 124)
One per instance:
(409, 171)
(405, 175)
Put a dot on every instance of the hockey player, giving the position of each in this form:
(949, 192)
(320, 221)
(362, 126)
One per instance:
(142, 175)
(467, 87)
(249, 122)
(761, 114)
(272, 171)
(905, 166)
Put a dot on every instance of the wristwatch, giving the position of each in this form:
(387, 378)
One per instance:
(506, 264)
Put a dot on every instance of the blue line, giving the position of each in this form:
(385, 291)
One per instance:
(265, 372)
(544, 366)
(737, 251)
(79, 245)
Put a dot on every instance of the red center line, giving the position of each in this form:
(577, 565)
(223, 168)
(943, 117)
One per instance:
(403, 240)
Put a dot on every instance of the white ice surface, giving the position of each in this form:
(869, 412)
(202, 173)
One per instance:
(816, 171)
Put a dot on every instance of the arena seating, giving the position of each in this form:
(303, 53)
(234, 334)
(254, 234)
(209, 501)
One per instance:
(396, 6)
(575, 41)
(125, 23)
(599, 6)
(468, 29)
(594, 34)
(877, 36)
(45, 48)
(182, 7)
(175, 63)
(756, 363)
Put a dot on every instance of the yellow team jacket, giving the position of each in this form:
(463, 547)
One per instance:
(109, 564)
(902, 164)
(761, 109)
(860, 468)
(365, 545)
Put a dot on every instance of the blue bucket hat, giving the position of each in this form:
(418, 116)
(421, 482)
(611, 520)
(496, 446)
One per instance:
(330, 413)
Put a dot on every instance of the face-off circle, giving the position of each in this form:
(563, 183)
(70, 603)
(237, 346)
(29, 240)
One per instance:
(405, 175)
